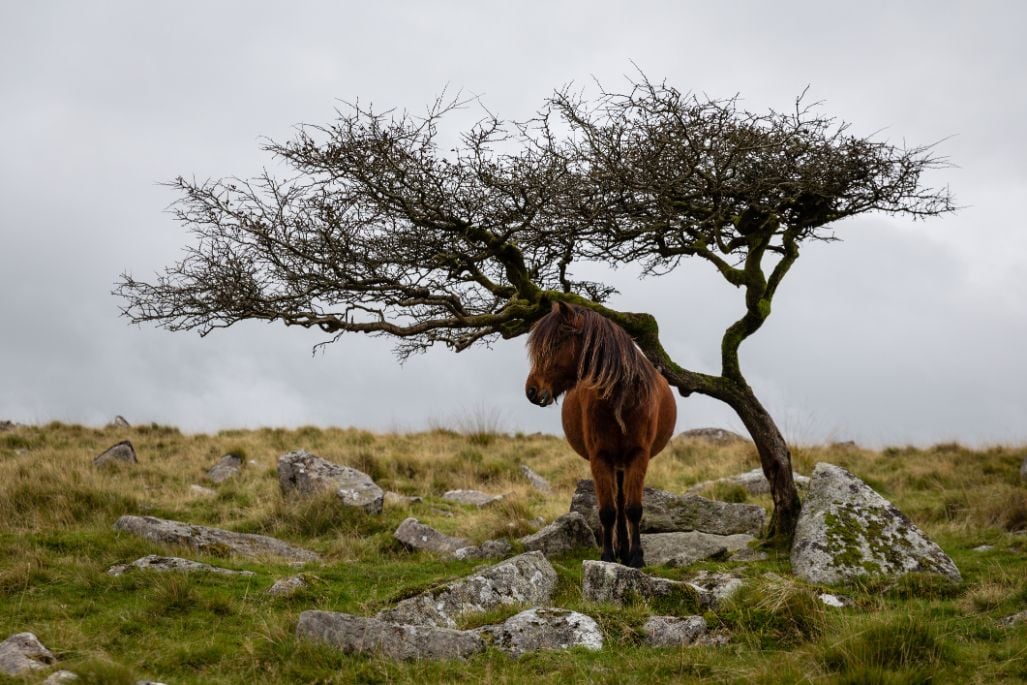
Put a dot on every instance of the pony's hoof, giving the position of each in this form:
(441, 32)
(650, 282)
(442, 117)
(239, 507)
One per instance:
(636, 561)
(608, 558)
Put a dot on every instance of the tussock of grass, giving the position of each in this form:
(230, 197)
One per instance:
(56, 542)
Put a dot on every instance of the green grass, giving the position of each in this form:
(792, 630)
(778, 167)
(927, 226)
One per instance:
(56, 543)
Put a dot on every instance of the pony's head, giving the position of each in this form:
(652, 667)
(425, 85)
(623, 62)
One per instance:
(554, 349)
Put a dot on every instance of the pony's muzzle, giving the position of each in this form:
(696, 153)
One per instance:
(540, 397)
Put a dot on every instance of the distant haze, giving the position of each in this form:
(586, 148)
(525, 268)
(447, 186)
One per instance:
(902, 332)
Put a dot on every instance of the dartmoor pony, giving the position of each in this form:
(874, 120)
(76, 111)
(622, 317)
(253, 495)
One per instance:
(619, 412)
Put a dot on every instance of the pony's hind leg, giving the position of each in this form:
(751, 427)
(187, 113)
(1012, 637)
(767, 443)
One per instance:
(603, 478)
(622, 542)
(634, 479)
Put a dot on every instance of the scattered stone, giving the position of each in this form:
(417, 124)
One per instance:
(836, 601)
(566, 533)
(120, 422)
(201, 491)
(847, 530)
(229, 466)
(123, 453)
(714, 638)
(684, 549)
(984, 548)
(7, 426)
(537, 481)
(1014, 620)
(417, 535)
(23, 652)
(303, 473)
(211, 540)
(754, 482)
(287, 587)
(474, 498)
(58, 677)
(490, 549)
(153, 562)
(361, 635)
(714, 588)
(717, 436)
(665, 512)
(748, 554)
(524, 579)
(608, 582)
(845, 445)
(394, 499)
(544, 629)
(672, 631)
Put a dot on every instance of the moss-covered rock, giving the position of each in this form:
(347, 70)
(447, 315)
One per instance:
(848, 530)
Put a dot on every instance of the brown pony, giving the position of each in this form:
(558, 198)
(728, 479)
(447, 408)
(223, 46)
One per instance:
(619, 412)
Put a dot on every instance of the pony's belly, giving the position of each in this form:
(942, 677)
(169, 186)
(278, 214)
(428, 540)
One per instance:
(573, 422)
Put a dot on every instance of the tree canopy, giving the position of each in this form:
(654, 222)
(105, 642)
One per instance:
(380, 229)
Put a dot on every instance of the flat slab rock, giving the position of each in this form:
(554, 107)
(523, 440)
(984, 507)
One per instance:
(287, 587)
(302, 473)
(121, 453)
(420, 536)
(211, 540)
(529, 631)
(665, 512)
(684, 549)
(23, 652)
(153, 562)
(524, 579)
(754, 482)
(537, 481)
(608, 582)
(717, 436)
(847, 530)
(474, 498)
(567, 533)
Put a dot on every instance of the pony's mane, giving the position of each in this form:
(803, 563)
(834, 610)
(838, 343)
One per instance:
(610, 363)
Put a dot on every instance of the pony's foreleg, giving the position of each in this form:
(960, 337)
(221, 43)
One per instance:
(634, 481)
(603, 477)
(621, 542)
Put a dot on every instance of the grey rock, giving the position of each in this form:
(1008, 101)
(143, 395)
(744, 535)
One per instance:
(537, 481)
(608, 582)
(7, 426)
(23, 652)
(148, 682)
(227, 467)
(153, 562)
(211, 540)
(673, 631)
(417, 535)
(58, 677)
(984, 548)
(120, 453)
(490, 549)
(120, 422)
(714, 587)
(286, 587)
(754, 482)
(544, 629)
(665, 512)
(394, 499)
(302, 473)
(473, 498)
(836, 601)
(717, 436)
(566, 533)
(357, 634)
(1014, 620)
(684, 549)
(847, 530)
(748, 554)
(201, 491)
(524, 579)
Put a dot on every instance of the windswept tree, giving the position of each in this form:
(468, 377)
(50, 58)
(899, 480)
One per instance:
(381, 230)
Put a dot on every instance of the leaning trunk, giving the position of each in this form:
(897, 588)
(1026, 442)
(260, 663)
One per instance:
(775, 458)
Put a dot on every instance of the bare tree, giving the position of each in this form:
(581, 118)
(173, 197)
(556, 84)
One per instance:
(381, 231)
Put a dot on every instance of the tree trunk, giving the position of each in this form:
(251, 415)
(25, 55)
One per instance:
(775, 458)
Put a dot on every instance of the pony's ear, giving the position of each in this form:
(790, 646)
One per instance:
(564, 310)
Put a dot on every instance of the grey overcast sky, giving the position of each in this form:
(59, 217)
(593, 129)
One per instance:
(901, 333)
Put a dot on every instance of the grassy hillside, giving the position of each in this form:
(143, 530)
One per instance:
(56, 543)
